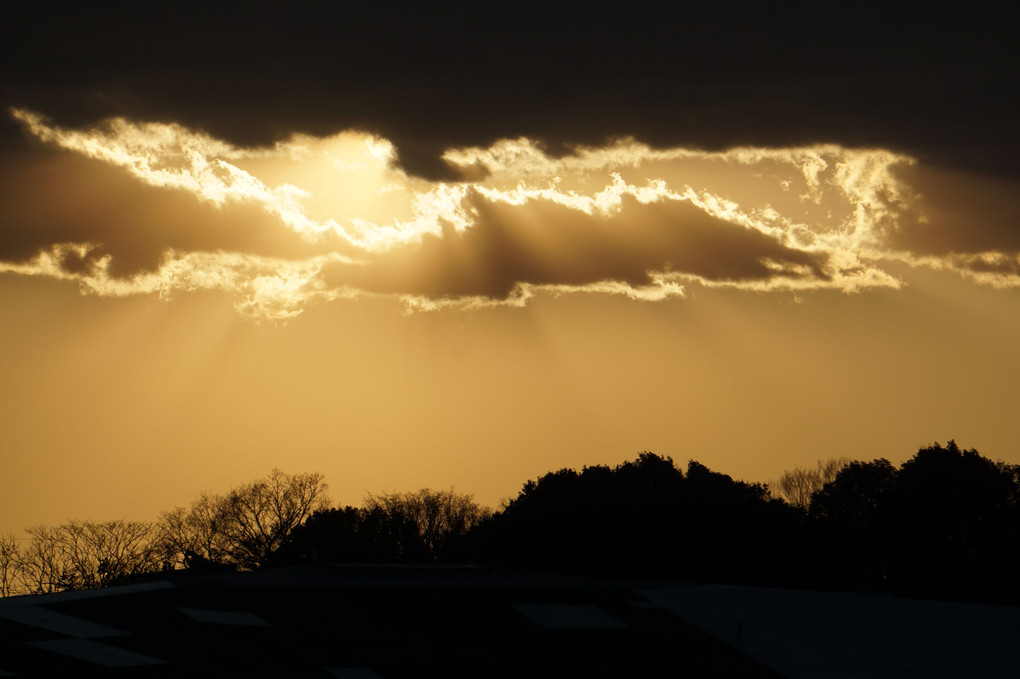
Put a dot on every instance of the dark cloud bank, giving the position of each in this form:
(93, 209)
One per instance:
(936, 83)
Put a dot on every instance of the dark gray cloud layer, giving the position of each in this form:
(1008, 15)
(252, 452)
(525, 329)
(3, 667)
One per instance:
(53, 196)
(936, 83)
(963, 213)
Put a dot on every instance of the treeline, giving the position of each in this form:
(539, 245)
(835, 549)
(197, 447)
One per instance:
(945, 524)
(240, 529)
(280, 519)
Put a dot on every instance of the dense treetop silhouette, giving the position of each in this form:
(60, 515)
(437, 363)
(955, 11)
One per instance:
(944, 524)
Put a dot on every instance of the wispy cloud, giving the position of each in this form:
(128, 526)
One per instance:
(267, 288)
(623, 219)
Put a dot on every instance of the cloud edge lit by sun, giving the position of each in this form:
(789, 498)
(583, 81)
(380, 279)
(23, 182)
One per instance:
(830, 208)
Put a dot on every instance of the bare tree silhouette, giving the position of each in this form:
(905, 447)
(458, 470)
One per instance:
(194, 537)
(10, 565)
(256, 517)
(436, 515)
(797, 485)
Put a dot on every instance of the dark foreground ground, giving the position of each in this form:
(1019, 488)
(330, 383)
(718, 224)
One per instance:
(391, 622)
(360, 623)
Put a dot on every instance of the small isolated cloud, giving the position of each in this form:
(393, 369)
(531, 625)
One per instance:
(315, 219)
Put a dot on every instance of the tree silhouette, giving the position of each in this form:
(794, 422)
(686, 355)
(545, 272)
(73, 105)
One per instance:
(738, 532)
(194, 537)
(641, 518)
(946, 523)
(85, 555)
(99, 554)
(850, 533)
(952, 514)
(797, 485)
(333, 534)
(434, 518)
(244, 526)
(351, 534)
(44, 566)
(10, 564)
(256, 517)
(424, 525)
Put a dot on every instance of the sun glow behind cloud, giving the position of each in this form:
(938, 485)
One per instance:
(624, 219)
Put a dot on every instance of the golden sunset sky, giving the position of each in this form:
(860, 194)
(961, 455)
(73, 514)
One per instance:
(470, 258)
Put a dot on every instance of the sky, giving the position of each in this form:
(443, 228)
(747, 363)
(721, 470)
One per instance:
(467, 246)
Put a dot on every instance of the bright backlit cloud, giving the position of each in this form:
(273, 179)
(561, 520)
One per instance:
(623, 219)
